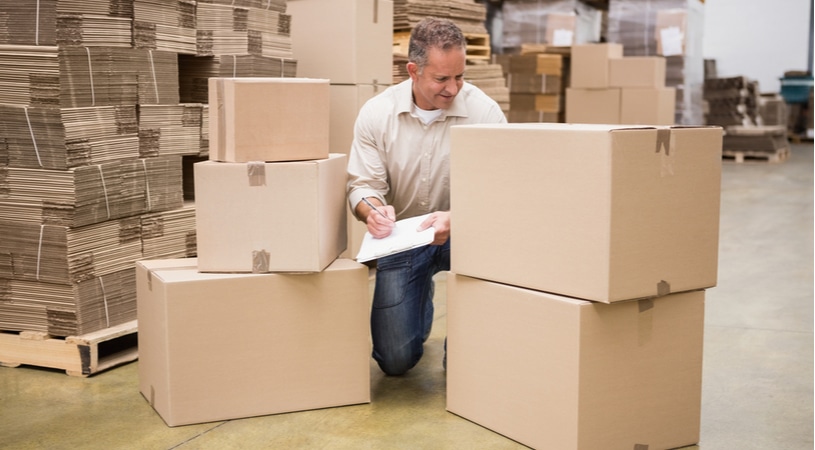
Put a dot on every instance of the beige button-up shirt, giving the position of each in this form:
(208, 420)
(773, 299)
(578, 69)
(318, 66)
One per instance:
(401, 161)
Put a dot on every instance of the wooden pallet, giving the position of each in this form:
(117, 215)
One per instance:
(741, 156)
(79, 356)
(478, 45)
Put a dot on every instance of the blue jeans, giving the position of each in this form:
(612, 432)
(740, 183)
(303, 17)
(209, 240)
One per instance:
(402, 313)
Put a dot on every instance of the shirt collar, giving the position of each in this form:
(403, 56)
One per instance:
(405, 100)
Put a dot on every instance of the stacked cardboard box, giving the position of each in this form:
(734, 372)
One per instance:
(607, 87)
(268, 299)
(731, 101)
(670, 28)
(357, 70)
(537, 85)
(583, 327)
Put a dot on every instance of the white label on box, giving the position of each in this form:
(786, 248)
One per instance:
(562, 37)
(671, 41)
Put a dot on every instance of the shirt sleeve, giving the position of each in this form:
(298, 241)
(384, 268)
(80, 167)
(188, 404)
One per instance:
(367, 174)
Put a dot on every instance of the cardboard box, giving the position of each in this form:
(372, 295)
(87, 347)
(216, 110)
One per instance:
(637, 72)
(670, 31)
(600, 106)
(535, 102)
(553, 372)
(268, 119)
(527, 83)
(590, 64)
(648, 106)
(226, 346)
(607, 213)
(346, 41)
(515, 116)
(537, 64)
(270, 217)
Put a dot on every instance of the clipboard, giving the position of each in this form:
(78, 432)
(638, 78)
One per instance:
(404, 237)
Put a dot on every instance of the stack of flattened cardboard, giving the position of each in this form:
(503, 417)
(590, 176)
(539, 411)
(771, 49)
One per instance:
(176, 129)
(610, 295)
(228, 29)
(61, 138)
(30, 74)
(552, 22)
(157, 76)
(731, 101)
(169, 234)
(490, 79)
(167, 25)
(90, 194)
(68, 309)
(98, 76)
(195, 71)
(92, 30)
(469, 15)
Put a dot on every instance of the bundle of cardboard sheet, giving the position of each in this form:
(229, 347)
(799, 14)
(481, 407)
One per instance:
(169, 234)
(61, 138)
(91, 194)
(167, 25)
(170, 129)
(68, 309)
(490, 79)
(469, 15)
(195, 71)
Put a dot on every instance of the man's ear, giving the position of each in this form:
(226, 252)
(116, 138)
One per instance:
(413, 70)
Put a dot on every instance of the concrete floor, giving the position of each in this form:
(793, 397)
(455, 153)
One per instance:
(757, 381)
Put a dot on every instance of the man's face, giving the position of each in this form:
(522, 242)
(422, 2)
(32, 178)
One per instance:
(440, 81)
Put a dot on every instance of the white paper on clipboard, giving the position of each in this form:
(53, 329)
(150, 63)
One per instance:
(404, 237)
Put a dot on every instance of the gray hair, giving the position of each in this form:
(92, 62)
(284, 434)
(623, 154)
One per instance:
(433, 32)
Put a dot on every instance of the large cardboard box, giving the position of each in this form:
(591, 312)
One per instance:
(593, 105)
(598, 212)
(590, 64)
(270, 217)
(553, 372)
(537, 64)
(637, 72)
(346, 41)
(268, 119)
(648, 106)
(226, 346)
(527, 83)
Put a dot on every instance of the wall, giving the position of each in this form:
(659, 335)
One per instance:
(759, 39)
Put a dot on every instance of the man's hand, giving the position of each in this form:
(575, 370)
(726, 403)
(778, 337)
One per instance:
(440, 221)
(381, 220)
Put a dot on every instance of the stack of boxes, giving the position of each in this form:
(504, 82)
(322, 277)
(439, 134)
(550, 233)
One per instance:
(608, 88)
(576, 310)
(549, 22)
(357, 70)
(268, 318)
(537, 86)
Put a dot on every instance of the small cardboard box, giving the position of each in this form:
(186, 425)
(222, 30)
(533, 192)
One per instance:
(226, 346)
(346, 41)
(536, 102)
(537, 64)
(608, 213)
(590, 64)
(637, 72)
(593, 105)
(270, 217)
(268, 119)
(554, 372)
(648, 106)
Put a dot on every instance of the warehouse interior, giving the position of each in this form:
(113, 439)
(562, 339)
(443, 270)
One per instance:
(119, 224)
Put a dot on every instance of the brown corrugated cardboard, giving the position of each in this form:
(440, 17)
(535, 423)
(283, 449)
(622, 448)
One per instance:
(270, 217)
(533, 116)
(535, 102)
(648, 106)
(599, 212)
(557, 373)
(637, 71)
(225, 346)
(268, 119)
(528, 83)
(589, 65)
(593, 106)
(537, 64)
(346, 41)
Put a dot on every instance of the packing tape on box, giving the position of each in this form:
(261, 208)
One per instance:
(640, 446)
(376, 11)
(645, 320)
(666, 140)
(221, 113)
(260, 261)
(256, 172)
(663, 288)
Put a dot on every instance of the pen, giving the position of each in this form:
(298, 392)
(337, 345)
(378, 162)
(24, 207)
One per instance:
(375, 209)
